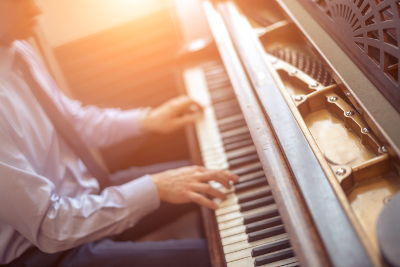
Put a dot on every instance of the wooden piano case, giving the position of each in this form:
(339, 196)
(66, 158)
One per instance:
(316, 188)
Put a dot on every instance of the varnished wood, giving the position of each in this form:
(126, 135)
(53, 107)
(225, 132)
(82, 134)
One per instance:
(337, 233)
(304, 238)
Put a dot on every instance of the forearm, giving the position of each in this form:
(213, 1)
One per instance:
(72, 222)
(31, 205)
(105, 127)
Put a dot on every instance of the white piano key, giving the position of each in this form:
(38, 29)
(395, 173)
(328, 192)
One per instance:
(249, 245)
(238, 214)
(231, 199)
(231, 223)
(233, 239)
(249, 261)
(232, 231)
(226, 210)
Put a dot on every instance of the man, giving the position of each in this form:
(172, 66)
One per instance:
(52, 212)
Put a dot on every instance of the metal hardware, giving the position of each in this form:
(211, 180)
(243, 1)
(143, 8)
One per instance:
(313, 85)
(384, 150)
(273, 60)
(348, 94)
(350, 113)
(387, 199)
(341, 171)
(293, 72)
(333, 98)
(298, 98)
(366, 130)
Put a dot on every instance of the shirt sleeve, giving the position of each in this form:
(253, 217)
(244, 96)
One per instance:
(31, 205)
(97, 127)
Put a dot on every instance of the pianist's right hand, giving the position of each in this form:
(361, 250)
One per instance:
(186, 184)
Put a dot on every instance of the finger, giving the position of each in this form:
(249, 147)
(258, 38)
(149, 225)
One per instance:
(217, 176)
(184, 105)
(198, 168)
(231, 176)
(208, 189)
(202, 200)
(186, 119)
(195, 107)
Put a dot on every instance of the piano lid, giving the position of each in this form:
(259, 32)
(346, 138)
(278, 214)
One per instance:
(367, 30)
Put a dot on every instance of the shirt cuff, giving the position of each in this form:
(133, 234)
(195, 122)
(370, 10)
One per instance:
(142, 197)
(129, 122)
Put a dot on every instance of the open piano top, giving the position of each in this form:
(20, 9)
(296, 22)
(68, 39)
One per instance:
(316, 164)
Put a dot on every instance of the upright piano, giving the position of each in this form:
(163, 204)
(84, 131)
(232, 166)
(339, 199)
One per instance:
(301, 101)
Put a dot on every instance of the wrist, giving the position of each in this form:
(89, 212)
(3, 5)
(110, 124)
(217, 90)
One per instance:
(143, 118)
(156, 181)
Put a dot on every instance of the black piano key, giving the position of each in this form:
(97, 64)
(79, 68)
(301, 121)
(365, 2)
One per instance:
(246, 170)
(258, 226)
(252, 196)
(251, 184)
(260, 216)
(262, 202)
(243, 160)
(226, 105)
(273, 257)
(218, 85)
(236, 138)
(273, 231)
(222, 98)
(217, 79)
(221, 91)
(251, 176)
(227, 113)
(240, 153)
(238, 144)
(269, 248)
(232, 125)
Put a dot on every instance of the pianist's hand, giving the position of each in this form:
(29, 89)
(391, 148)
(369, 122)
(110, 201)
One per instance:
(185, 184)
(172, 115)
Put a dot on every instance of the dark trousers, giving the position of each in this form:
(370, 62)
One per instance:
(121, 250)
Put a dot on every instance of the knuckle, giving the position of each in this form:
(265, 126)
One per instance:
(196, 198)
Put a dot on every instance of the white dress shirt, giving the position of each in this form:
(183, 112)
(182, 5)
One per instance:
(47, 198)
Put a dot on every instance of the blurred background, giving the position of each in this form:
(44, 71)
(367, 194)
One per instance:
(121, 54)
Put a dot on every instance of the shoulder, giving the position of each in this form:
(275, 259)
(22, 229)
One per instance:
(28, 53)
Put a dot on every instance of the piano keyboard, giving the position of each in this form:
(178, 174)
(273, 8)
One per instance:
(251, 230)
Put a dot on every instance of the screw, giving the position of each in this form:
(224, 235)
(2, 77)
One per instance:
(387, 199)
(273, 60)
(298, 98)
(340, 171)
(348, 94)
(350, 113)
(293, 72)
(333, 98)
(366, 130)
(384, 150)
(313, 85)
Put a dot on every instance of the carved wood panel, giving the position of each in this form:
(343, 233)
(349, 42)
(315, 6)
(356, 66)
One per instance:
(368, 31)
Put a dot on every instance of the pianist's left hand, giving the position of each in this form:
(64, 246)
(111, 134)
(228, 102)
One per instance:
(172, 115)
